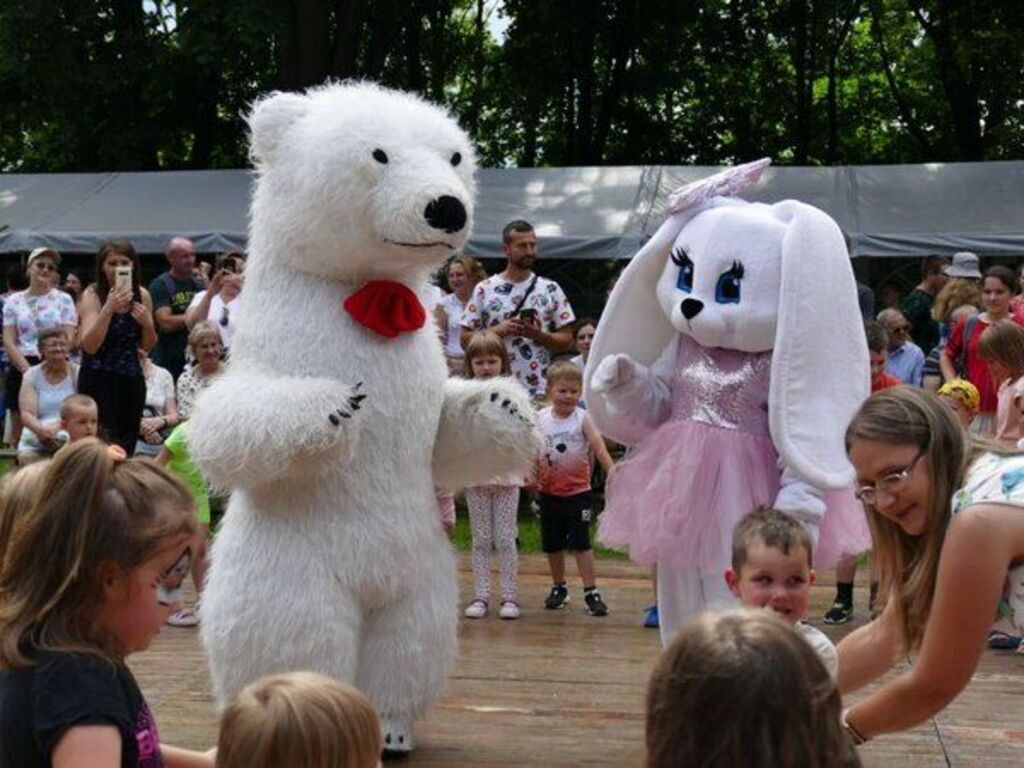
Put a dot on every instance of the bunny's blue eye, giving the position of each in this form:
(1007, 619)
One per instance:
(728, 289)
(685, 280)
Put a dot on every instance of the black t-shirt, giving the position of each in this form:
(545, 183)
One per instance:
(168, 291)
(40, 703)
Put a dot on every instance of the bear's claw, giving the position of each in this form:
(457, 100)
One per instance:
(397, 736)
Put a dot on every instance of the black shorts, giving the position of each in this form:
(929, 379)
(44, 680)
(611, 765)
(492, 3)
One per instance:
(565, 522)
(12, 384)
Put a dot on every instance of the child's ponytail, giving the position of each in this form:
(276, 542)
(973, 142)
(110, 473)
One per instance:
(88, 515)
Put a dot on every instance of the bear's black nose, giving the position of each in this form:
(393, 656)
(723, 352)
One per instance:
(446, 213)
(691, 308)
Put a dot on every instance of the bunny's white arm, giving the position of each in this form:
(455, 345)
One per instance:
(638, 398)
(801, 500)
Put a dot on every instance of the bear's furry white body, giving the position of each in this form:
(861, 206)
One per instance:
(331, 556)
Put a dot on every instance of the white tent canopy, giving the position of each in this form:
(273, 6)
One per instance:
(580, 213)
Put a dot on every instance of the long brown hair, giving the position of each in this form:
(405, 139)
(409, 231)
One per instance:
(123, 248)
(17, 493)
(741, 688)
(93, 514)
(299, 719)
(1003, 343)
(908, 565)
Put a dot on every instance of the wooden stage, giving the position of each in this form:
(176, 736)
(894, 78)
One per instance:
(561, 688)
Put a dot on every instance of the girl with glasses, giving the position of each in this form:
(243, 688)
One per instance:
(947, 519)
(73, 608)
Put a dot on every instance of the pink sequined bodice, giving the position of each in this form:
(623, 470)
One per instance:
(721, 387)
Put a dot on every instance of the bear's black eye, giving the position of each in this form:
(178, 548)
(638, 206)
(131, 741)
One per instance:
(456, 158)
(380, 156)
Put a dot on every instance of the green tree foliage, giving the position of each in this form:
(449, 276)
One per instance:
(148, 84)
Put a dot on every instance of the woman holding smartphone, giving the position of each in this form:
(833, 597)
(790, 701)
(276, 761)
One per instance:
(116, 320)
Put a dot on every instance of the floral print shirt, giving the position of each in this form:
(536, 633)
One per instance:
(30, 314)
(493, 302)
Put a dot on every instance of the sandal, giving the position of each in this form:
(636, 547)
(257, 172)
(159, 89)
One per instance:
(1003, 641)
(186, 617)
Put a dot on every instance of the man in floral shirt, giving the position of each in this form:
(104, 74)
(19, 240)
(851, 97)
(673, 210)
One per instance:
(529, 312)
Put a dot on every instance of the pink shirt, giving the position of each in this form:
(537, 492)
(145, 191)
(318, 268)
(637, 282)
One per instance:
(1010, 412)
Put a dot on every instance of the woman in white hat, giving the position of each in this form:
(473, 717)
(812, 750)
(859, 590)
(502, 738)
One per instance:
(27, 312)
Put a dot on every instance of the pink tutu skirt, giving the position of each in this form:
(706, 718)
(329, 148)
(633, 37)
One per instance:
(681, 493)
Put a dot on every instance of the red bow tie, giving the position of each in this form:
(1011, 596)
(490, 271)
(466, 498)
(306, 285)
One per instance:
(386, 307)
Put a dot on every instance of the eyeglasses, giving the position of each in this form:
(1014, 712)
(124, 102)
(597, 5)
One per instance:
(889, 485)
(171, 587)
(224, 316)
(902, 329)
(45, 266)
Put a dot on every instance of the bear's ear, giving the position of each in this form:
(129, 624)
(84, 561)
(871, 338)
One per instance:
(269, 119)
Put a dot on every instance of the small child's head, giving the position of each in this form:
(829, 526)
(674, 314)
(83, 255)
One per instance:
(878, 346)
(17, 492)
(108, 582)
(771, 563)
(486, 356)
(300, 719)
(565, 385)
(79, 416)
(1002, 345)
(962, 397)
(743, 688)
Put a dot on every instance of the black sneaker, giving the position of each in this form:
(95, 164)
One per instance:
(595, 605)
(558, 598)
(839, 613)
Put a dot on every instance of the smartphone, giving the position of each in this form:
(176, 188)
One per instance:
(123, 278)
(528, 315)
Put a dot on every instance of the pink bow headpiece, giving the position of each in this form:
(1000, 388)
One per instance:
(727, 183)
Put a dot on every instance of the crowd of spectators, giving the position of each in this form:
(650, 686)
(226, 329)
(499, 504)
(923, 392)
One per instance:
(141, 354)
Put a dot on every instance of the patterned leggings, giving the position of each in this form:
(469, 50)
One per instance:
(492, 519)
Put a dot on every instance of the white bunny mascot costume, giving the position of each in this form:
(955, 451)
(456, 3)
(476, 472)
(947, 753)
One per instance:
(731, 355)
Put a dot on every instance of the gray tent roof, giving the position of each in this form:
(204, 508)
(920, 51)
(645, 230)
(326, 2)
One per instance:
(589, 213)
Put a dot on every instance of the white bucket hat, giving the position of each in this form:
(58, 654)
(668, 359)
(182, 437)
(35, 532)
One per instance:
(965, 264)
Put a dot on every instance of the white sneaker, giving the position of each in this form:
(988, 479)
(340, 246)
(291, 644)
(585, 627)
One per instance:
(476, 610)
(509, 610)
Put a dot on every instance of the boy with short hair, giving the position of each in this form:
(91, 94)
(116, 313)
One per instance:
(79, 417)
(878, 353)
(771, 568)
(571, 440)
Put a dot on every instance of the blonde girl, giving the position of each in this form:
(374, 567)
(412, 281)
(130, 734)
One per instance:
(74, 606)
(492, 508)
(947, 521)
(743, 688)
(302, 720)
(1002, 346)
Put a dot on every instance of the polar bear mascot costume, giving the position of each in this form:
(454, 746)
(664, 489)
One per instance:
(731, 356)
(336, 420)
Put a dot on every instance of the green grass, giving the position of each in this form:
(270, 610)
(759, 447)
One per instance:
(529, 533)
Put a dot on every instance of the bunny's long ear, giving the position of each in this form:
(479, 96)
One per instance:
(820, 371)
(632, 321)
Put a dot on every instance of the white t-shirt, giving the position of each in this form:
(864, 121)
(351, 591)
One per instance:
(159, 387)
(223, 316)
(48, 401)
(493, 302)
(819, 641)
(453, 332)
